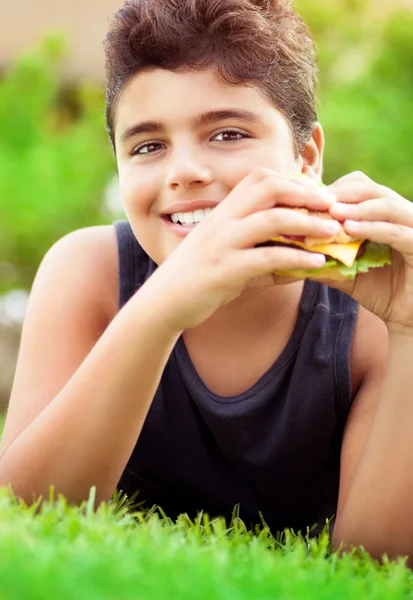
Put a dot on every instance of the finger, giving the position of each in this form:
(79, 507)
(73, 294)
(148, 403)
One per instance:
(261, 173)
(356, 192)
(260, 227)
(257, 262)
(351, 178)
(301, 179)
(393, 210)
(273, 191)
(398, 237)
(273, 180)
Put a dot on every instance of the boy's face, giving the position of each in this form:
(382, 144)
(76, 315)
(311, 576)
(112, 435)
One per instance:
(176, 156)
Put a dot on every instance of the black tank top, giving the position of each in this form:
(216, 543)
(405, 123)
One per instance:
(274, 449)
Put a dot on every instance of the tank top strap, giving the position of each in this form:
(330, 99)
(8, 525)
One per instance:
(346, 311)
(135, 266)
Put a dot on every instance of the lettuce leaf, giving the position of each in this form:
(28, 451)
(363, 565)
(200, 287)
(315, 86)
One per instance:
(375, 255)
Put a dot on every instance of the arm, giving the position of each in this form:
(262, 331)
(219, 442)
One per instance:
(83, 384)
(85, 378)
(376, 487)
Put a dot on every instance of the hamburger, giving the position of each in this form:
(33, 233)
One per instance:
(346, 256)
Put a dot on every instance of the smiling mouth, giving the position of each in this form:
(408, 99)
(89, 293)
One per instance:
(169, 219)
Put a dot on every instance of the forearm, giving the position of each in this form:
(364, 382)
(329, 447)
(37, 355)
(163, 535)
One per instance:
(377, 513)
(86, 435)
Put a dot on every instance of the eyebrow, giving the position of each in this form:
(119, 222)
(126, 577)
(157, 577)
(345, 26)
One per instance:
(203, 120)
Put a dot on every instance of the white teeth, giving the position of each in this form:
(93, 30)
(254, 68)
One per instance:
(199, 215)
(190, 218)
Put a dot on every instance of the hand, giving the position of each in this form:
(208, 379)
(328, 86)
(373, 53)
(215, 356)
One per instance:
(219, 259)
(378, 214)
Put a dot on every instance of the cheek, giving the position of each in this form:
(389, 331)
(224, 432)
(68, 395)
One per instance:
(269, 156)
(239, 165)
(279, 158)
(138, 192)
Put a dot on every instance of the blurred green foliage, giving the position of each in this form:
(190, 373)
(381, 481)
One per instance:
(366, 89)
(56, 160)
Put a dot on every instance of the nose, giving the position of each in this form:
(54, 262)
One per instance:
(187, 169)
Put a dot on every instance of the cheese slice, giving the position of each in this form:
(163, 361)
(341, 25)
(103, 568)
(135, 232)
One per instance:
(345, 253)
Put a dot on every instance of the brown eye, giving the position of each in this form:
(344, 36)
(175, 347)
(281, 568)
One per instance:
(230, 135)
(147, 148)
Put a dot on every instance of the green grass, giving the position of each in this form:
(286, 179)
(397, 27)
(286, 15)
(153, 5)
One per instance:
(53, 550)
(67, 552)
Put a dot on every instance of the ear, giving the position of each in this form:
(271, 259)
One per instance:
(311, 158)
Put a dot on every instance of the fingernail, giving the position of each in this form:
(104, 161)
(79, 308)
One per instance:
(354, 225)
(328, 196)
(341, 208)
(318, 260)
(331, 226)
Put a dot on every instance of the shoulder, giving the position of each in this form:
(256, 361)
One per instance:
(73, 299)
(369, 349)
(86, 259)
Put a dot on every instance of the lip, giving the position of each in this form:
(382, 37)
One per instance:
(189, 206)
(180, 230)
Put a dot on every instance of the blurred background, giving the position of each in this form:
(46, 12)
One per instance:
(57, 171)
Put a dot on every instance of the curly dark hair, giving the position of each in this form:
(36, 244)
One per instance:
(259, 42)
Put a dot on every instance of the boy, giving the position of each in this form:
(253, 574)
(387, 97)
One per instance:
(163, 354)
